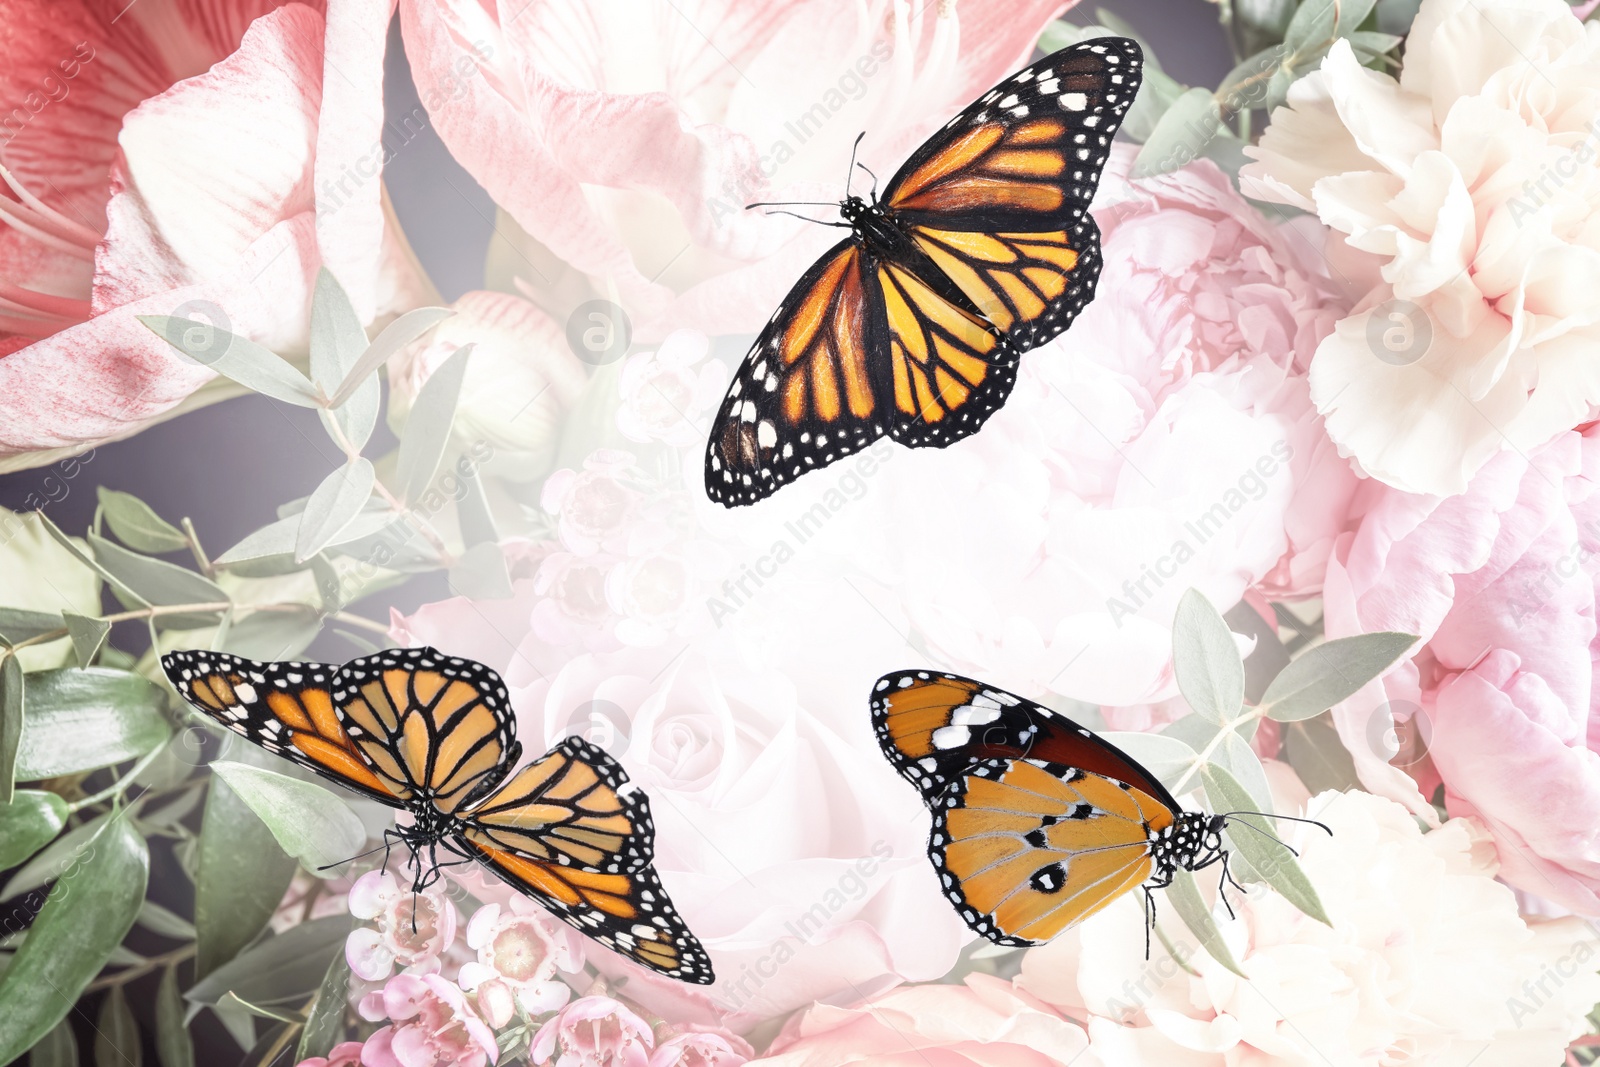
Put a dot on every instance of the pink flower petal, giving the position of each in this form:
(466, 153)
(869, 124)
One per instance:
(368, 956)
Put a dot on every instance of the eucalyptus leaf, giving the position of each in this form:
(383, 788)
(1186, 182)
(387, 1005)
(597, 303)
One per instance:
(1157, 93)
(1237, 757)
(1270, 858)
(1332, 672)
(1061, 34)
(174, 1047)
(310, 823)
(87, 914)
(241, 873)
(116, 1034)
(1313, 26)
(333, 506)
(137, 525)
(123, 591)
(1396, 16)
(1163, 756)
(281, 969)
(274, 539)
(31, 821)
(1250, 84)
(472, 510)
(253, 366)
(337, 342)
(1269, 17)
(1206, 660)
(57, 857)
(324, 1026)
(1318, 756)
(480, 573)
(1368, 44)
(13, 723)
(82, 718)
(1184, 896)
(88, 635)
(159, 582)
(163, 921)
(395, 336)
(1269, 655)
(274, 635)
(1123, 28)
(237, 1020)
(19, 625)
(1352, 13)
(58, 1048)
(1181, 134)
(427, 428)
(330, 586)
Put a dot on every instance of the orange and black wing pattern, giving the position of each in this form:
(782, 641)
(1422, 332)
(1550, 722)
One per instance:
(1025, 849)
(803, 397)
(931, 725)
(434, 728)
(569, 831)
(286, 708)
(999, 198)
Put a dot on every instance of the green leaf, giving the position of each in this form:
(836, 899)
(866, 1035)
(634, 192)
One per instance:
(156, 581)
(480, 573)
(1332, 672)
(324, 1027)
(1163, 756)
(310, 823)
(253, 366)
(123, 591)
(238, 1021)
(1123, 28)
(241, 872)
(137, 525)
(427, 429)
(88, 635)
(1369, 45)
(1352, 13)
(159, 920)
(1318, 756)
(333, 506)
(58, 1048)
(1157, 93)
(472, 511)
(263, 1011)
(87, 914)
(1180, 135)
(1271, 859)
(281, 969)
(1312, 27)
(31, 821)
(116, 1035)
(1184, 896)
(274, 539)
(1206, 660)
(19, 625)
(337, 342)
(1267, 658)
(395, 336)
(1268, 17)
(61, 854)
(80, 719)
(174, 1048)
(1255, 81)
(274, 635)
(1396, 16)
(13, 723)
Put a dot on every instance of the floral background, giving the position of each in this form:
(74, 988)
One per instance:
(327, 327)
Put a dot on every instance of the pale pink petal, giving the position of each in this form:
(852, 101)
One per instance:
(368, 956)
(378, 1051)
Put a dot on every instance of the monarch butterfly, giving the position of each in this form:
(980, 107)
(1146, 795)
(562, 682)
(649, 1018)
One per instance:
(981, 248)
(1037, 822)
(433, 735)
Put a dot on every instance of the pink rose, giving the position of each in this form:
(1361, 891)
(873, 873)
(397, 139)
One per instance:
(627, 146)
(345, 1054)
(412, 929)
(433, 1027)
(112, 213)
(1497, 703)
(985, 1023)
(593, 1032)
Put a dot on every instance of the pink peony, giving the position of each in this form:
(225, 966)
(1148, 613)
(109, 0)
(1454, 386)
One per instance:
(344, 1054)
(107, 210)
(520, 947)
(627, 141)
(985, 1023)
(702, 1048)
(1165, 442)
(593, 1032)
(1498, 701)
(433, 1027)
(412, 929)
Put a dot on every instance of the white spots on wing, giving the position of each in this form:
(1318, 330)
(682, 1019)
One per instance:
(1009, 101)
(1074, 101)
(747, 411)
(766, 434)
(973, 715)
(946, 737)
(246, 692)
(1049, 86)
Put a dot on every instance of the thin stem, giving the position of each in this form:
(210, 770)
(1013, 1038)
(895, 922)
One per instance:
(120, 784)
(1204, 756)
(351, 454)
(139, 970)
(180, 609)
(362, 623)
(195, 550)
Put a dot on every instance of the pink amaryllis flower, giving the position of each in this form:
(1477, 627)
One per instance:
(177, 158)
(626, 139)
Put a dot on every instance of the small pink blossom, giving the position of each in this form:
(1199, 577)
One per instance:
(345, 1054)
(594, 1032)
(702, 1047)
(413, 929)
(593, 505)
(661, 392)
(434, 1026)
(520, 950)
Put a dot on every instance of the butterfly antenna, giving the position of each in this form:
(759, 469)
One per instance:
(1287, 818)
(851, 173)
(803, 218)
(874, 191)
(362, 855)
(789, 203)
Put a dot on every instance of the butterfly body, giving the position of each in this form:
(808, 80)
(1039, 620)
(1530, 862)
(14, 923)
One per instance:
(432, 735)
(980, 248)
(1037, 822)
